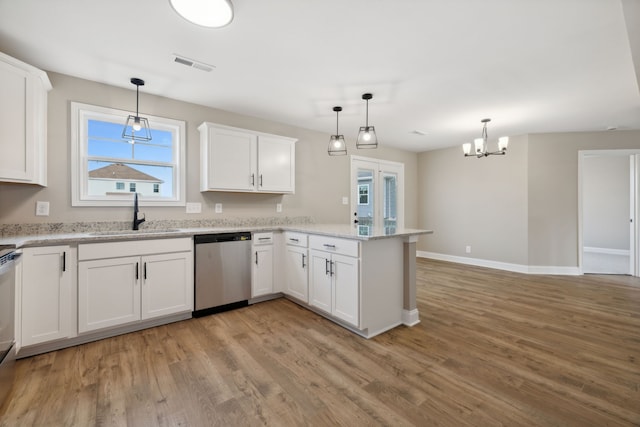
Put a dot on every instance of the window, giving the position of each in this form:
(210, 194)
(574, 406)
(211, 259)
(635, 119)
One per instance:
(102, 161)
(363, 194)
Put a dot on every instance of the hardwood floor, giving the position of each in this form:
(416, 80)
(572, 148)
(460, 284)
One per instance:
(493, 348)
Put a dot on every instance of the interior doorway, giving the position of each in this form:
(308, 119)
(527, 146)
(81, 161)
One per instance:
(608, 211)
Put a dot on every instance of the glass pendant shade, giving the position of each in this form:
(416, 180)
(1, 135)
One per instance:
(503, 143)
(479, 145)
(367, 137)
(137, 128)
(206, 13)
(337, 144)
(466, 148)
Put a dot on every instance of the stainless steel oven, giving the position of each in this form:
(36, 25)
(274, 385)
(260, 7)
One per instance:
(7, 319)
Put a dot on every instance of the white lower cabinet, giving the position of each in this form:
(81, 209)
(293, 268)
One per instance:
(262, 264)
(296, 262)
(46, 294)
(124, 282)
(334, 278)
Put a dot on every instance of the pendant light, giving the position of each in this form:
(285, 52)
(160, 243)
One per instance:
(480, 144)
(206, 13)
(337, 145)
(137, 128)
(367, 136)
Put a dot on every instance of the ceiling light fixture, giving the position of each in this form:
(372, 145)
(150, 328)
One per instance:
(206, 13)
(481, 144)
(367, 136)
(337, 144)
(137, 128)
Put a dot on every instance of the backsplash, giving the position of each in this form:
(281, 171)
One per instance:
(14, 230)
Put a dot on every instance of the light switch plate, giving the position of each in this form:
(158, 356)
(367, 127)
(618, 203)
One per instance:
(345, 200)
(218, 207)
(278, 207)
(42, 208)
(194, 208)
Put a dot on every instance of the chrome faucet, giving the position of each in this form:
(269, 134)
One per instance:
(136, 221)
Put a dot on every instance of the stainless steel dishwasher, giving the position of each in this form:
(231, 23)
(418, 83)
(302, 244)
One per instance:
(222, 272)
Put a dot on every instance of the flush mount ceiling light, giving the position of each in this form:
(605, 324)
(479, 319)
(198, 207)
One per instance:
(337, 145)
(206, 13)
(481, 144)
(367, 135)
(137, 128)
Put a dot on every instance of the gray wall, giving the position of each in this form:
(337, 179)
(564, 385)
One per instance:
(321, 181)
(521, 208)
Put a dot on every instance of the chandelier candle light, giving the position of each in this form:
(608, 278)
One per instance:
(367, 136)
(481, 144)
(137, 128)
(337, 145)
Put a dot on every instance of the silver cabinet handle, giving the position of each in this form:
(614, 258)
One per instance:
(303, 257)
(326, 267)
(326, 245)
(331, 264)
(294, 239)
(260, 180)
(253, 179)
(256, 257)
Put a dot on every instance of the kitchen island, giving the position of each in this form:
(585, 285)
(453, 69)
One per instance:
(361, 278)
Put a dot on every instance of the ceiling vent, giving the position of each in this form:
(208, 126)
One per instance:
(192, 63)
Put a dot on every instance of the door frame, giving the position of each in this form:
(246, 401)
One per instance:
(396, 167)
(634, 204)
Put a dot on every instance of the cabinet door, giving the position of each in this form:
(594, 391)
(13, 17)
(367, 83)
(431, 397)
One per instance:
(346, 288)
(320, 291)
(23, 122)
(167, 285)
(108, 292)
(296, 278)
(262, 271)
(46, 294)
(276, 164)
(231, 160)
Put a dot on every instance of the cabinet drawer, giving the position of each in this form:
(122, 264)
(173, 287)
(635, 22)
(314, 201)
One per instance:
(262, 238)
(295, 239)
(335, 245)
(88, 251)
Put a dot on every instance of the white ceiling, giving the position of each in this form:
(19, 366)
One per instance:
(435, 66)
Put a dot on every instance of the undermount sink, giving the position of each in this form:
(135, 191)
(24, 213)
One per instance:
(143, 231)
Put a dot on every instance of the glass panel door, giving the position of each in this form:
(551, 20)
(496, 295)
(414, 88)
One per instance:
(377, 194)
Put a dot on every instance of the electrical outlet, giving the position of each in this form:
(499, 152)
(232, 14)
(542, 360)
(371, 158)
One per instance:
(345, 200)
(218, 207)
(278, 207)
(194, 208)
(42, 208)
(468, 249)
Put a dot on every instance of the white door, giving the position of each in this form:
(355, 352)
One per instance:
(276, 164)
(320, 295)
(46, 294)
(232, 160)
(167, 286)
(262, 277)
(377, 194)
(297, 282)
(346, 290)
(108, 292)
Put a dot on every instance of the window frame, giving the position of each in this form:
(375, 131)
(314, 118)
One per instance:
(360, 195)
(80, 115)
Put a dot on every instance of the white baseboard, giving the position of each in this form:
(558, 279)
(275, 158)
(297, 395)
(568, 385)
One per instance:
(410, 317)
(517, 268)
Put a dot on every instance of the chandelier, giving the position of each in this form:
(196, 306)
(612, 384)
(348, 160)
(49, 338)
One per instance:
(480, 144)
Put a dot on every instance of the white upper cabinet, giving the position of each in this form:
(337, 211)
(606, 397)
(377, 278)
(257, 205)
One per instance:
(23, 122)
(233, 159)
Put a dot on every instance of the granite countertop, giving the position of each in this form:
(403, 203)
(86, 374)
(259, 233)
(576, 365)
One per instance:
(107, 235)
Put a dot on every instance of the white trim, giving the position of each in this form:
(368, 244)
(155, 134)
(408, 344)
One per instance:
(516, 268)
(410, 317)
(607, 251)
